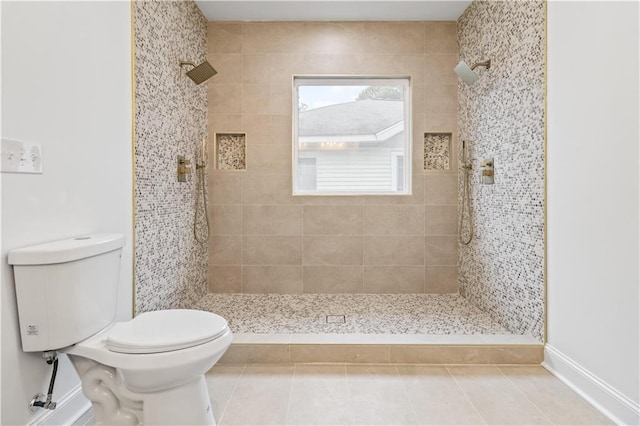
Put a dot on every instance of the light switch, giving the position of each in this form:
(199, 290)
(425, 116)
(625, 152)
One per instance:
(20, 157)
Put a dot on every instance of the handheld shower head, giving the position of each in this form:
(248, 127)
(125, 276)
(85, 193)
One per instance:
(199, 74)
(468, 75)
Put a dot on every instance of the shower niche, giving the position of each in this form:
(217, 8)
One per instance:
(437, 151)
(230, 151)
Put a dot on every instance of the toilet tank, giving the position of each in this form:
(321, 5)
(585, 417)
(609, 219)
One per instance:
(66, 290)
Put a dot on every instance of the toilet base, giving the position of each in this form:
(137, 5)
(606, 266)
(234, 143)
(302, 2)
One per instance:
(114, 404)
(184, 405)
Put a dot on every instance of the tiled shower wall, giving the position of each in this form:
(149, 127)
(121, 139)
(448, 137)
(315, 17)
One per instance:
(267, 241)
(171, 120)
(502, 117)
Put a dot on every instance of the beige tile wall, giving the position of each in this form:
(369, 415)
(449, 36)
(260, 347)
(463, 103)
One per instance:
(267, 241)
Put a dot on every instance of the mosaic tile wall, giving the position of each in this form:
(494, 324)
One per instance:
(502, 116)
(171, 119)
(267, 241)
(437, 151)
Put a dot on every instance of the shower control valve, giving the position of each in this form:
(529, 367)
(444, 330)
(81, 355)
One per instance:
(183, 168)
(486, 171)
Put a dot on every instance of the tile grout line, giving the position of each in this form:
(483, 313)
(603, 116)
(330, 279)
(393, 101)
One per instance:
(525, 395)
(293, 376)
(233, 391)
(346, 383)
(446, 366)
(351, 413)
(406, 389)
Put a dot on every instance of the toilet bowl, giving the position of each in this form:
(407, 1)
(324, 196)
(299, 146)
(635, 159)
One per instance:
(148, 370)
(151, 351)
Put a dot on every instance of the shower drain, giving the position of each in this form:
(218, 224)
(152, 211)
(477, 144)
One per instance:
(336, 319)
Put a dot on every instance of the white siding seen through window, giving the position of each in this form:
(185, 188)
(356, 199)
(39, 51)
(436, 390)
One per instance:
(349, 136)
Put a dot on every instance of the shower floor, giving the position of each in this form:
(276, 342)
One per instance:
(423, 314)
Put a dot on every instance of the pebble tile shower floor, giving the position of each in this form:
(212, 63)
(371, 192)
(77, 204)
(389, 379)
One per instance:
(363, 313)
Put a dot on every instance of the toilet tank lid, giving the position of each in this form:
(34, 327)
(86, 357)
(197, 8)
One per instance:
(66, 250)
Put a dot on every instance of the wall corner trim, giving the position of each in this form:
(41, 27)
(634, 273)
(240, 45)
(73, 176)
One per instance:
(610, 402)
(70, 410)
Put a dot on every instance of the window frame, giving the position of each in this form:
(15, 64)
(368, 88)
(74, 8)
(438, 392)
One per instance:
(331, 80)
(394, 169)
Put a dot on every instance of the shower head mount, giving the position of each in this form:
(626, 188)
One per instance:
(486, 64)
(199, 73)
(467, 74)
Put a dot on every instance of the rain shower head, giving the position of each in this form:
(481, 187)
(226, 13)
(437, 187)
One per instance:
(199, 74)
(468, 75)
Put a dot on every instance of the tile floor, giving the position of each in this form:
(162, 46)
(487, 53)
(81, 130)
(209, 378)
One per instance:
(429, 314)
(347, 394)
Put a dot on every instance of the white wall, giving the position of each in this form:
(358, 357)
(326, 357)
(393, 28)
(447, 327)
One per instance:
(1, 281)
(66, 83)
(593, 324)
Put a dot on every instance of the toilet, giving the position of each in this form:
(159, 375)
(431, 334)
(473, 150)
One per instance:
(149, 370)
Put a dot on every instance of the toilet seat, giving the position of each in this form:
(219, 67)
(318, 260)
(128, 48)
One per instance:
(165, 331)
(95, 348)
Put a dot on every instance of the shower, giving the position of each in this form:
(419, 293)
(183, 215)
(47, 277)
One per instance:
(200, 73)
(468, 75)
(466, 198)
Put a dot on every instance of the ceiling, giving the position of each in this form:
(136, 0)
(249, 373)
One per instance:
(332, 10)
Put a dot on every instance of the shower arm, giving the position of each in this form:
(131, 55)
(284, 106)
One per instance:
(182, 64)
(486, 64)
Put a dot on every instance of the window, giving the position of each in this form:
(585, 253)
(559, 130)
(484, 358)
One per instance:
(349, 136)
(307, 176)
(397, 172)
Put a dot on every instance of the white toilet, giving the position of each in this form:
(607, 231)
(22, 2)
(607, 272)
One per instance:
(149, 370)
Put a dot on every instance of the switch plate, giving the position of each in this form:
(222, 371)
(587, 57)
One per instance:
(20, 157)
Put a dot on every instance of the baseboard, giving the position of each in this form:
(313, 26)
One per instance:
(70, 409)
(601, 395)
(86, 419)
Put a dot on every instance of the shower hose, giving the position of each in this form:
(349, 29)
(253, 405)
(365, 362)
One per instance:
(200, 189)
(466, 205)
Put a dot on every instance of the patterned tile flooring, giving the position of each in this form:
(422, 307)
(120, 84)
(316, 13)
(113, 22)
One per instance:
(432, 314)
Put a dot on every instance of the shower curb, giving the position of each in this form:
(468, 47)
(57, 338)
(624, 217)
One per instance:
(382, 349)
